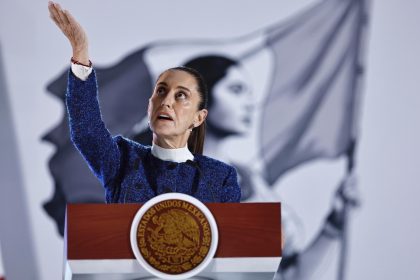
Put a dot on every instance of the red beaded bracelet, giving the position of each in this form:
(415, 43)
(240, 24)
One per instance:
(79, 63)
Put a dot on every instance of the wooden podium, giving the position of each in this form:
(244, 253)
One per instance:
(97, 242)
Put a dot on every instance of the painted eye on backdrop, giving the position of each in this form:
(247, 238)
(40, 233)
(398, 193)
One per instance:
(237, 88)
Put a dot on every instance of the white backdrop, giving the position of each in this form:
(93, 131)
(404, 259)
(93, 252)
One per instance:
(384, 232)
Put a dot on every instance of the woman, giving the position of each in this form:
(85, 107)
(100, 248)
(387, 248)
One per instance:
(131, 172)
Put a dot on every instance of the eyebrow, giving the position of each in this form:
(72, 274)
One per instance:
(181, 87)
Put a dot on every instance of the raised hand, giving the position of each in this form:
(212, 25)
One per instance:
(72, 30)
(347, 193)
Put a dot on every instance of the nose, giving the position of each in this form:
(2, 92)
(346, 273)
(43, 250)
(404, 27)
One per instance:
(249, 107)
(167, 101)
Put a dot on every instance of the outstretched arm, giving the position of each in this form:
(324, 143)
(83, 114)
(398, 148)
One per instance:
(88, 131)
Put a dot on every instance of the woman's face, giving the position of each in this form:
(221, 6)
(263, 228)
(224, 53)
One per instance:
(173, 106)
(232, 103)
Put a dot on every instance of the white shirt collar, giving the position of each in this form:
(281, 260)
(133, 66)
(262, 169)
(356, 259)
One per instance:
(176, 155)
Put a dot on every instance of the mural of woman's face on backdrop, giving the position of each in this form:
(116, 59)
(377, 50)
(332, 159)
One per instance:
(232, 103)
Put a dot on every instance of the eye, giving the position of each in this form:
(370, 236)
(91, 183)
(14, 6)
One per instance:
(160, 91)
(237, 88)
(181, 95)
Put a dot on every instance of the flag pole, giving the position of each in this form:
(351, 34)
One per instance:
(350, 153)
(344, 237)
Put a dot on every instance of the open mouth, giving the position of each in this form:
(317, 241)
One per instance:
(164, 117)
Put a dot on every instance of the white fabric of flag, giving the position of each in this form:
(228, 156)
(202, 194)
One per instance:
(311, 108)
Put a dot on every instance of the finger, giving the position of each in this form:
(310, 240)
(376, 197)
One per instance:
(55, 21)
(54, 14)
(351, 196)
(66, 19)
(349, 182)
(60, 13)
(50, 4)
(70, 19)
(51, 9)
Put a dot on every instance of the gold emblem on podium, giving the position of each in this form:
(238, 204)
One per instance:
(174, 236)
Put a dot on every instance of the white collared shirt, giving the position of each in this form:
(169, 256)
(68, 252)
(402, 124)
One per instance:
(175, 155)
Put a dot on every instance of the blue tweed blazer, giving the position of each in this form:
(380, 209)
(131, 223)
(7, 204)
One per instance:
(128, 170)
